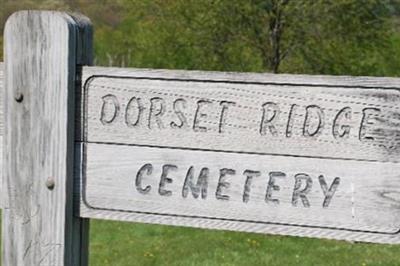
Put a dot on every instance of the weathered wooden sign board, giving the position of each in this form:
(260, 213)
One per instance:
(296, 155)
(314, 156)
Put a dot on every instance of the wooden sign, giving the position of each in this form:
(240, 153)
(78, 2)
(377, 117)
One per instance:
(296, 155)
(314, 156)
